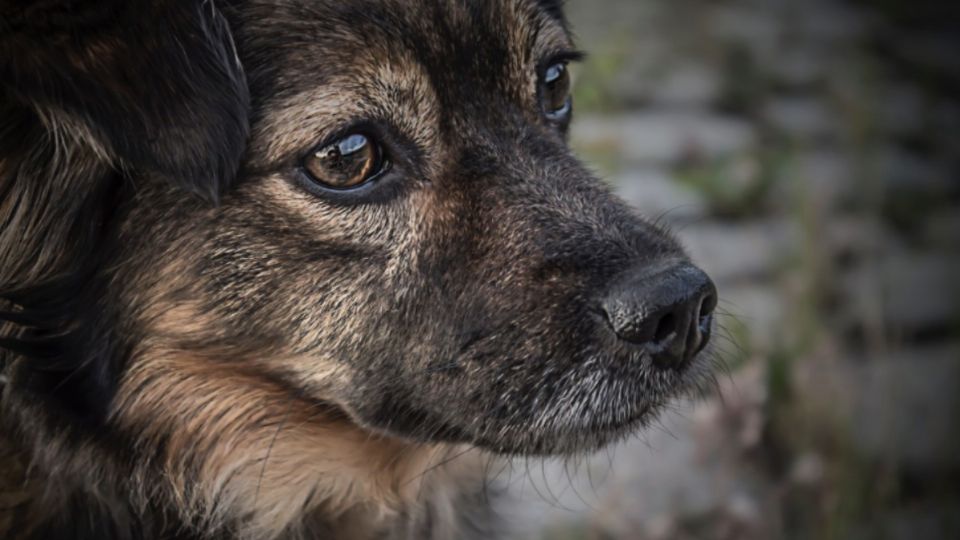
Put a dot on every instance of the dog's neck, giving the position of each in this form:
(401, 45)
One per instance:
(295, 471)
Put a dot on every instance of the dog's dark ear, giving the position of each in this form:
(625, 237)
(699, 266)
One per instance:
(155, 85)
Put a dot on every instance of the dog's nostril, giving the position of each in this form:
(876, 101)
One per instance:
(665, 326)
(707, 305)
(670, 311)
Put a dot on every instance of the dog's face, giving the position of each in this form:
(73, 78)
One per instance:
(410, 240)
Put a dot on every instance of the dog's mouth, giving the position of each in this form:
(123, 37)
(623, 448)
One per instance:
(599, 399)
(596, 409)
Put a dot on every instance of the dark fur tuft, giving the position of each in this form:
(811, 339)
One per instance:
(95, 96)
(554, 8)
(156, 85)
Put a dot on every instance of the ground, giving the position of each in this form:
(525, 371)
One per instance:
(806, 152)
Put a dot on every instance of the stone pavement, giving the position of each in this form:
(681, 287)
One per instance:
(806, 153)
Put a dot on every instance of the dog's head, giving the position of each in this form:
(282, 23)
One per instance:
(408, 238)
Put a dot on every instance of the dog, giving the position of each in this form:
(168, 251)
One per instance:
(295, 268)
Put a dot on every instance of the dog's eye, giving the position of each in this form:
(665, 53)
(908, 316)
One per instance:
(346, 163)
(556, 92)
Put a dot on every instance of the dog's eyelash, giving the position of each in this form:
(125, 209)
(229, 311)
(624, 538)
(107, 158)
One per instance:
(569, 56)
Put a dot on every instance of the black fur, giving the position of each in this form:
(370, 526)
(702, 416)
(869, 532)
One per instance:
(155, 86)
(554, 8)
(157, 83)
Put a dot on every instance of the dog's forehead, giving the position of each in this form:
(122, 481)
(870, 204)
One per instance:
(321, 63)
(437, 31)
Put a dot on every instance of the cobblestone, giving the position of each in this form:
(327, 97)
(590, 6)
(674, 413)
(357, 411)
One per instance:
(663, 136)
(843, 275)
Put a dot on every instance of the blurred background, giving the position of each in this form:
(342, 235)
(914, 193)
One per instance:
(807, 153)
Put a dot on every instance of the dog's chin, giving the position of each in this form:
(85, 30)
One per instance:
(591, 413)
(595, 407)
(573, 440)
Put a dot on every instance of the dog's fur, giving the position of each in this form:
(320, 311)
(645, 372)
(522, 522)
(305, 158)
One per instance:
(200, 345)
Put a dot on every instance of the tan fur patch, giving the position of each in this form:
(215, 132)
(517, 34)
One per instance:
(235, 443)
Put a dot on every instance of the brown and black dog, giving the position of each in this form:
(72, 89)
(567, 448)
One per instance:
(285, 268)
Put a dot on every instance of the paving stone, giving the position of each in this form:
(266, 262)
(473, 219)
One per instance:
(921, 290)
(824, 176)
(942, 229)
(931, 50)
(900, 406)
(916, 291)
(664, 137)
(659, 196)
(826, 21)
(935, 520)
(903, 109)
(760, 30)
(800, 67)
(854, 236)
(946, 120)
(760, 309)
(732, 252)
(807, 470)
(809, 59)
(900, 172)
(690, 86)
(802, 117)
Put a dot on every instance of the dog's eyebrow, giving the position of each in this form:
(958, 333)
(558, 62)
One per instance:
(550, 36)
(566, 55)
(395, 92)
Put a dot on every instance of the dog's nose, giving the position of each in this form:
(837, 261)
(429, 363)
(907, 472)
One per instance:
(669, 311)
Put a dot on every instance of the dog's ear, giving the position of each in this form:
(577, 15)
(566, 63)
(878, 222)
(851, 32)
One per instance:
(154, 85)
